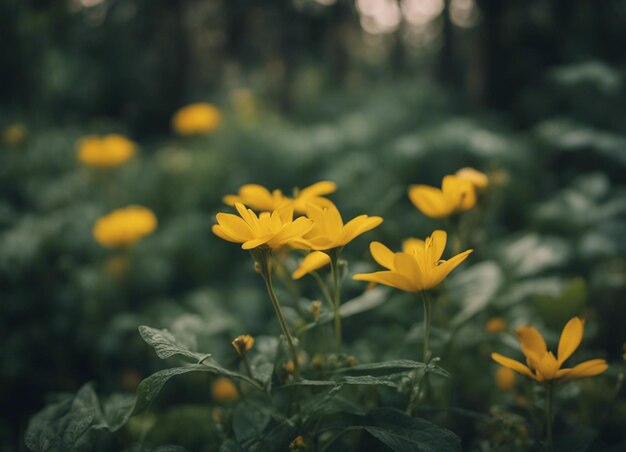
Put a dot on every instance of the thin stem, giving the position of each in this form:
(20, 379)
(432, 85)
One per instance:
(334, 260)
(246, 363)
(427, 311)
(549, 389)
(266, 272)
(323, 288)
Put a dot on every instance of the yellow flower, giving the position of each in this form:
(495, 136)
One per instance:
(505, 378)
(242, 344)
(106, 151)
(257, 197)
(542, 364)
(224, 390)
(312, 261)
(456, 195)
(125, 226)
(478, 179)
(196, 118)
(329, 231)
(496, 325)
(14, 134)
(418, 267)
(272, 230)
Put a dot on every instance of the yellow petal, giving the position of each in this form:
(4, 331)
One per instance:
(234, 226)
(532, 342)
(512, 364)
(318, 189)
(586, 369)
(477, 178)
(255, 243)
(257, 197)
(382, 255)
(219, 231)
(429, 200)
(414, 246)
(437, 246)
(547, 367)
(313, 261)
(442, 270)
(358, 226)
(570, 338)
(459, 194)
(388, 278)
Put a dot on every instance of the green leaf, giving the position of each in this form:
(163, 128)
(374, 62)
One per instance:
(400, 432)
(367, 380)
(249, 420)
(165, 344)
(388, 367)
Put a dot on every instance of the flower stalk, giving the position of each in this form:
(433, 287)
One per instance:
(427, 315)
(334, 269)
(263, 258)
(549, 397)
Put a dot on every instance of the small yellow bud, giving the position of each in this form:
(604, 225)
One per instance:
(298, 444)
(318, 361)
(351, 361)
(505, 378)
(242, 344)
(496, 325)
(217, 415)
(224, 390)
(315, 307)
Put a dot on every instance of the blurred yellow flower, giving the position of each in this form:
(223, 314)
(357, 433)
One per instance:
(311, 262)
(272, 230)
(196, 118)
(259, 198)
(455, 195)
(542, 364)
(125, 226)
(330, 232)
(496, 325)
(106, 151)
(418, 267)
(224, 390)
(242, 344)
(14, 134)
(505, 378)
(297, 444)
(478, 179)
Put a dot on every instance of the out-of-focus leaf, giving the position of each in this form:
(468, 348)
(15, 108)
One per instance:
(400, 432)
(391, 367)
(475, 287)
(531, 254)
(249, 420)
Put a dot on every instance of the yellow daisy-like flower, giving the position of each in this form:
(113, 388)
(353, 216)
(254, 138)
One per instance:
(417, 267)
(123, 227)
(330, 232)
(456, 195)
(542, 365)
(478, 179)
(272, 230)
(242, 344)
(224, 390)
(312, 261)
(196, 119)
(106, 151)
(259, 198)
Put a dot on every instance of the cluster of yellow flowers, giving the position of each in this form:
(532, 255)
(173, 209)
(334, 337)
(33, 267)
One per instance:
(105, 151)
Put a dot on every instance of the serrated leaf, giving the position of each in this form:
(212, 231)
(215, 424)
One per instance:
(165, 344)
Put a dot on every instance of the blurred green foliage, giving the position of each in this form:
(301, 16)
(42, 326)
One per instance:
(325, 100)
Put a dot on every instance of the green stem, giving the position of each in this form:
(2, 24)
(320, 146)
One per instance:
(264, 262)
(549, 389)
(323, 288)
(246, 363)
(334, 260)
(427, 315)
